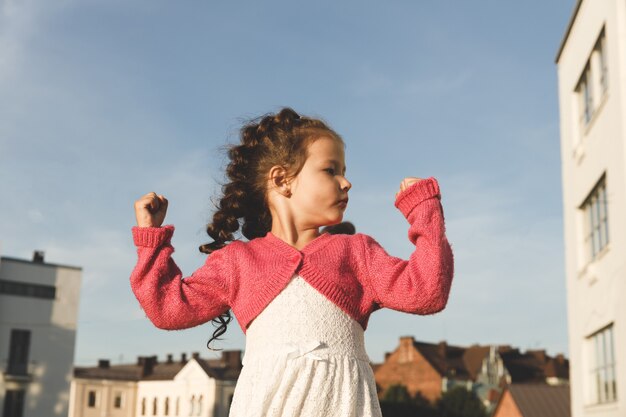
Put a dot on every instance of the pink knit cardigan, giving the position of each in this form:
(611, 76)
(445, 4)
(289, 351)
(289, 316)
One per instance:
(354, 272)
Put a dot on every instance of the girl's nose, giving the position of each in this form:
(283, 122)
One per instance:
(345, 185)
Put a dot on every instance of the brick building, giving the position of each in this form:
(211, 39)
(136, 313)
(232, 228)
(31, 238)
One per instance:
(432, 369)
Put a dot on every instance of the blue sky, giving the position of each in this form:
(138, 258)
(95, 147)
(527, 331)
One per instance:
(103, 101)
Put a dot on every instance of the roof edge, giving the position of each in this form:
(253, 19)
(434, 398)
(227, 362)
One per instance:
(26, 261)
(568, 30)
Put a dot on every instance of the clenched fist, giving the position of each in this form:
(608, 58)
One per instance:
(406, 183)
(150, 210)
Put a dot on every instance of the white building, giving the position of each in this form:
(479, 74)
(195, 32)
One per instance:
(591, 65)
(38, 316)
(195, 387)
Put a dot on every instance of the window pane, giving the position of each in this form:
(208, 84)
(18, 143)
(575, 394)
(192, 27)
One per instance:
(598, 388)
(603, 366)
(117, 401)
(611, 383)
(605, 214)
(13, 403)
(19, 348)
(603, 62)
(591, 234)
(91, 399)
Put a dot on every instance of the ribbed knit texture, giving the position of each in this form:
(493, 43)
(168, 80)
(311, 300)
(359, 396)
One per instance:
(354, 272)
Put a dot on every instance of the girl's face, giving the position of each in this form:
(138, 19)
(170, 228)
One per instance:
(319, 193)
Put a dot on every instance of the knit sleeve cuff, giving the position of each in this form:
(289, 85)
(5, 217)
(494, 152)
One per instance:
(152, 237)
(422, 190)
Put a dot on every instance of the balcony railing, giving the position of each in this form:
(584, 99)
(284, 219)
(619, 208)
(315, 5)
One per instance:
(18, 371)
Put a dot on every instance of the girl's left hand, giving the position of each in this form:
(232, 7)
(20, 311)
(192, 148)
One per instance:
(406, 183)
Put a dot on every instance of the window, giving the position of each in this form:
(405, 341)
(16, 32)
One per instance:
(13, 403)
(596, 219)
(594, 77)
(118, 399)
(143, 406)
(19, 347)
(199, 410)
(92, 398)
(600, 52)
(585, 93)
(603, 379)
(154, 407)
(27, 290)
(192, 405)
(177, 405)
(166, 411)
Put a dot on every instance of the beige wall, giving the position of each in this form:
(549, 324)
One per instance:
(211, 398)
(106, 392)
(594, 288)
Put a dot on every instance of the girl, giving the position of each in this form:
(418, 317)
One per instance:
(303, 298)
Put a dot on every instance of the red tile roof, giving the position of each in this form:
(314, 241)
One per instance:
(538, 400)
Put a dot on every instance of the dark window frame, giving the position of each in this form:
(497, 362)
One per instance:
(19, 351)
(14, 403)
(27, 289)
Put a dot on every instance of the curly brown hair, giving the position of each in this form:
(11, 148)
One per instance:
(279, 139)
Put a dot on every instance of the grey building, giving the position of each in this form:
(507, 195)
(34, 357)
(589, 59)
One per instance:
(38, 317)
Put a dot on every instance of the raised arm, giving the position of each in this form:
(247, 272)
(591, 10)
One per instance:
(420, 285)
(170, 301)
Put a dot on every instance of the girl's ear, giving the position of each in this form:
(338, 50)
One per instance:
(279, 181)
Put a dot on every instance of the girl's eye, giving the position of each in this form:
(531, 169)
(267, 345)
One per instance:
(331, 171)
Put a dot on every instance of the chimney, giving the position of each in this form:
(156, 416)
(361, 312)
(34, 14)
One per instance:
(195, 355)
(148, 365)
(232, 358)
(183, 358)
(407, 342)
(539, 354)
(560, 359)
(387, 355)
(104, 364)
(170, 358)
(442, 349)
(38, 256)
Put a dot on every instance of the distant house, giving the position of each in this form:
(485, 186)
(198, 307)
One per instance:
(195, 387)
(432, 369)
(39, 313)
(534, 400)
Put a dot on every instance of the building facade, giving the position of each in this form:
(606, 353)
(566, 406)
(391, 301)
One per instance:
(195, 387)
(38, 317)
(591, 66)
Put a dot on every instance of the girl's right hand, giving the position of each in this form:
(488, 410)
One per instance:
(150, 210)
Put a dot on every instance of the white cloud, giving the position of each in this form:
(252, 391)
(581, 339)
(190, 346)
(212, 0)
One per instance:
(35, 216)
(440, 84)
(370, 81)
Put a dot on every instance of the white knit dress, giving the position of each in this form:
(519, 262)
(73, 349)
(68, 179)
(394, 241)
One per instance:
(305, 357)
